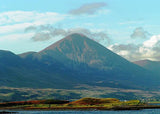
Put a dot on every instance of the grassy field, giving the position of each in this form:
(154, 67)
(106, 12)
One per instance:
(22, 94)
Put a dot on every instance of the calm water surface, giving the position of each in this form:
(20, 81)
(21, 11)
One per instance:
(146, 111)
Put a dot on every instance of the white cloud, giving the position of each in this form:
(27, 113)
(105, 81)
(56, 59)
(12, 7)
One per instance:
(13, 17)
(152, 41)
(16, 21)
(13, 23)
(14, 28)
(16, 37)
(149, 49)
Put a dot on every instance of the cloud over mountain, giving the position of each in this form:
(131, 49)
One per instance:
(46, 32)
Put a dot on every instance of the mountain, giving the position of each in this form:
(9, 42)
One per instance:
(73, 61)
(17, 72)
(150, 65)
(12, 69)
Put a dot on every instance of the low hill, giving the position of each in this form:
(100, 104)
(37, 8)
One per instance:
(94, 101)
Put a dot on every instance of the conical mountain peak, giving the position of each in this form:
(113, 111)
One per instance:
(74, 38)
(78, 48)
(76, 35)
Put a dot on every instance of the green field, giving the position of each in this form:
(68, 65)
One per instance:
(22, 94)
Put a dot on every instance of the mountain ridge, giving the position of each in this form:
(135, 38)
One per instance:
(150, 65)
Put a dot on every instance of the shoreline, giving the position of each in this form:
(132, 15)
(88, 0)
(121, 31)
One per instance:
(116, 108)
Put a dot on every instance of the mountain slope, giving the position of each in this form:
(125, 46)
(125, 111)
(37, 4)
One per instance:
(19, 72)
(11, 69)
(150, 65)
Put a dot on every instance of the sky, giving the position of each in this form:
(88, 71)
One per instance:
(128, 28)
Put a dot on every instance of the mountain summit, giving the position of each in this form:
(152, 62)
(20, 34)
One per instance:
(78, 60)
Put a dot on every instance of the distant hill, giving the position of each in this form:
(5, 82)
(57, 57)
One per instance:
(73, 61)
(153, 66)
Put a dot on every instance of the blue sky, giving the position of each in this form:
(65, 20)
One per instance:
(129, 28)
